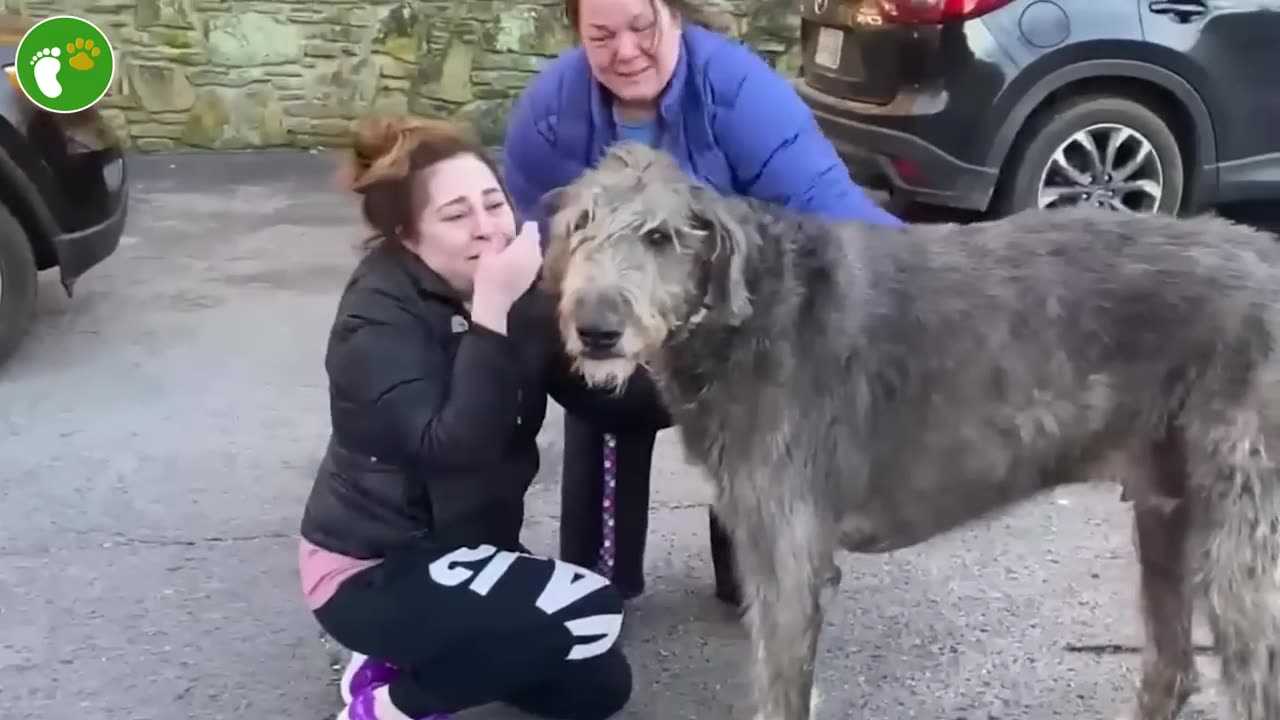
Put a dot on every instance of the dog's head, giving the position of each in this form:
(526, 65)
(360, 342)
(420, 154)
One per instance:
(639, 251)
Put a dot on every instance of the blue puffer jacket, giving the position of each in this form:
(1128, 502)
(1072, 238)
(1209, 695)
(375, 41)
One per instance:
(728, 118)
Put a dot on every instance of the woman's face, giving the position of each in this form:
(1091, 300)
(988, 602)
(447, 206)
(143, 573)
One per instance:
(464, 212)
(632, 46)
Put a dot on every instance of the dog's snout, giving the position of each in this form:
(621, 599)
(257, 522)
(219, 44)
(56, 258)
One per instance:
(597, 338)
(599, 321)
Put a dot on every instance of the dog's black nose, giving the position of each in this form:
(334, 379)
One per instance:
(598, 338)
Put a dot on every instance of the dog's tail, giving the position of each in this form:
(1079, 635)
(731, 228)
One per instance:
(1237, 489)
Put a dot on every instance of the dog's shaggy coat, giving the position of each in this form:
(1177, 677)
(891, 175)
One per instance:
(867, 388)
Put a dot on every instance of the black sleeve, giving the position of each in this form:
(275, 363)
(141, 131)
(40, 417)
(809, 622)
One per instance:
(437, 413)
(638, 407)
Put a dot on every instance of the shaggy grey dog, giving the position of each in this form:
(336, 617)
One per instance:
(868, 388)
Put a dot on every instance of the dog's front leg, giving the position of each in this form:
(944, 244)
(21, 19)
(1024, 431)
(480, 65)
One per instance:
(786, 560)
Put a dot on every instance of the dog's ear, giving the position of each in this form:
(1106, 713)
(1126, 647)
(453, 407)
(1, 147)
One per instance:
(724, 254)
(565, 218)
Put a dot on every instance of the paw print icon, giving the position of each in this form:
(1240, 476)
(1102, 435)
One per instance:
(65, 64)
(81, 54)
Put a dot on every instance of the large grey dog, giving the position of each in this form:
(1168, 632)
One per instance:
(869, 387)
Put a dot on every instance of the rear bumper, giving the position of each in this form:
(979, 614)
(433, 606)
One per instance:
(904, 164)
(82, 250)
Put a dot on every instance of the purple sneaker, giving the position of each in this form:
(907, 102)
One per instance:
(364, 673)
(361, 708)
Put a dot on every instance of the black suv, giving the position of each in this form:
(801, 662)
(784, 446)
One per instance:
(1164, 106)
(63, 194)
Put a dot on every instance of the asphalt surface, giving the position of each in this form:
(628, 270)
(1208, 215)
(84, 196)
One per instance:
(158, 437)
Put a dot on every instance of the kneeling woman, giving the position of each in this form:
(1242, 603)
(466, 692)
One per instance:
(440, 361)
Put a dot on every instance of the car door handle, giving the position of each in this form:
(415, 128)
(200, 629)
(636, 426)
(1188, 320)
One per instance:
(1182, 11)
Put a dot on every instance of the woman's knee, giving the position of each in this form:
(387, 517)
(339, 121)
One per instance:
(613, 685)
(593, 689)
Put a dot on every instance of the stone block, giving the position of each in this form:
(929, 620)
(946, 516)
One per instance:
(488, 117)
(163, 54)
(157, 130)
(160, 88)
(508, 61)
(390, 67)
(528, 29)
(344, 84)
(510, 81)
(391, 104)
(329, 127)
(174, 38)
(225, 77)
(400, 32)
(453, 75)
(154, 144)
(344, 34)
(170, 13)
(118, 125)
(288, 83)
(250, 39)
(223, 119)
(322, 49)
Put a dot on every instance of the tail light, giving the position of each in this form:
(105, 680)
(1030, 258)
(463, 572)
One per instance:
(11, 72)
(930, 12)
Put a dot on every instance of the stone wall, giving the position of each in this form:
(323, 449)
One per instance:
(237, 74)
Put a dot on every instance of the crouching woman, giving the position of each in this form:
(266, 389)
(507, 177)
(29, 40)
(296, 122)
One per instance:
(440, 361)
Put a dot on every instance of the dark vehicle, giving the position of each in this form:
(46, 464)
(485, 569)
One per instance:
(63, 194)
(1165, 106)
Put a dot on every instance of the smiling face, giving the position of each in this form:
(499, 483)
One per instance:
(631, 45)
(463, 212)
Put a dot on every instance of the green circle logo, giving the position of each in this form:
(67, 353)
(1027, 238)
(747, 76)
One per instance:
(65, 64)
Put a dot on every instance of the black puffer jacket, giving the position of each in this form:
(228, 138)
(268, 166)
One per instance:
(435, 419)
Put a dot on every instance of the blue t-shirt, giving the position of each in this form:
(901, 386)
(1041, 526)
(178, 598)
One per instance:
(644, 131)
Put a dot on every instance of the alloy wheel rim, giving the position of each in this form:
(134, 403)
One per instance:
(1105, 165)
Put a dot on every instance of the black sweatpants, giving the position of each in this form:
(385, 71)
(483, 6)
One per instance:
(473, 626)
(582, 494)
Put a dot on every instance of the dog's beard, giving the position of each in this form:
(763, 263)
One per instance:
(607, 373)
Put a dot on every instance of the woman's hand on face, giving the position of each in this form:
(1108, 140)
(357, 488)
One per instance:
(503, 275)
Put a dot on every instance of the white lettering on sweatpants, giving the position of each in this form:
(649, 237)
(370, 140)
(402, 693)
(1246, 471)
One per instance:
(567, 585)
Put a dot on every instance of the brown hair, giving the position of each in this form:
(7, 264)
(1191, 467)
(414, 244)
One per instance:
(386, 154)
(686, 10)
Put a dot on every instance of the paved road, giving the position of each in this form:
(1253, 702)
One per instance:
(157, 441)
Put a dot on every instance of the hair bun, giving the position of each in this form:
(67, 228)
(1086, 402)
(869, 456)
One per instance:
(383, 146)
(376, 137)
(379, 150)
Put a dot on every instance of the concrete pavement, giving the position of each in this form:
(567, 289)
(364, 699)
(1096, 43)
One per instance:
(158, 437)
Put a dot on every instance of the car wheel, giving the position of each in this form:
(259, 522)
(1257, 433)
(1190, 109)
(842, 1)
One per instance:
(1105, 151)
(17, 284)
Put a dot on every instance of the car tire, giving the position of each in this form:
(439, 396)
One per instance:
(1051, 130)
(17, 284)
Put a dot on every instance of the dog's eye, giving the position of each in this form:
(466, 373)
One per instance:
(580, 223)
(657, 237)
(700, 224)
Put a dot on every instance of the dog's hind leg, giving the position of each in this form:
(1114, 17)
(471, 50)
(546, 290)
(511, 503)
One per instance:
(785, 557)
(1236, 518)
(1161, 526)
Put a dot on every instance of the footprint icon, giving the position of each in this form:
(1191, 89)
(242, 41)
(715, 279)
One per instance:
(46, 69)
(82, 53)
